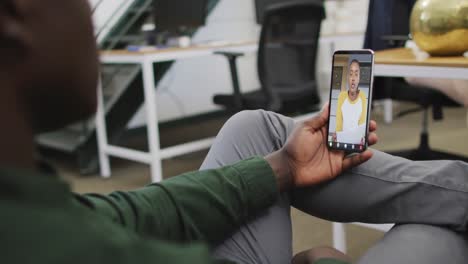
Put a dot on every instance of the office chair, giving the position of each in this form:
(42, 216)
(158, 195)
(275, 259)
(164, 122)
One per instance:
(384, 34)
(286, 61)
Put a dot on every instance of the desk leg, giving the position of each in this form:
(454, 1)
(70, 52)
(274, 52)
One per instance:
(152, 121)
(339, 236)
(101, 132)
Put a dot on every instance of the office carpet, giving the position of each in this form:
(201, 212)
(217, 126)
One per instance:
(448, 134)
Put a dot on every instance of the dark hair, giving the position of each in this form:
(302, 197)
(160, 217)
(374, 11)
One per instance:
(355, 61)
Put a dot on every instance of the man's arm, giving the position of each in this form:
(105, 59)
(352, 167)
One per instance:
(198, 206)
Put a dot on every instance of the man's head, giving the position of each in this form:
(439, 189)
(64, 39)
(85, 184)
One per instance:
(354, 74)
(49, 60)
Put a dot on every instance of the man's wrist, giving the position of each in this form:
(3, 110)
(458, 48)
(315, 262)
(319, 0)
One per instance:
(278, 162)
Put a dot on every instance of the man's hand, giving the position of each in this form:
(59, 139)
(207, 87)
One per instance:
(306, 160)
(315, 254)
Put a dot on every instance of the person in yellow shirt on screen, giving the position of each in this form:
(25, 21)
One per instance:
(352, 104)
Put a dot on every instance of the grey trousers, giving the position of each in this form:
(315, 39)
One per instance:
(428, 199)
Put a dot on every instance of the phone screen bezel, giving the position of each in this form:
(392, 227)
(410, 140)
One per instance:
(369, 99)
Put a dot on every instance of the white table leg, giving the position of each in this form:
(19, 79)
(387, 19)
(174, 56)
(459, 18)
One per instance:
(152, 121)
(388, 110)
(101, 132)
(339, 237)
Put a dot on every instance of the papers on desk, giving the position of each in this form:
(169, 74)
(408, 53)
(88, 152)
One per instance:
(352, 136)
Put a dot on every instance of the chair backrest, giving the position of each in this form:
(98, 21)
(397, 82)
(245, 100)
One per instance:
(386, 18)
(380, 23)
(288, 44)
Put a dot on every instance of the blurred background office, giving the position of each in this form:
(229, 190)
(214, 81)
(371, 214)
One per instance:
(190, 87)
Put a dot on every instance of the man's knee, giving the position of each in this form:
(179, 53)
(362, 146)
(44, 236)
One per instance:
(247, 118)
(270, 125)
(246, 134)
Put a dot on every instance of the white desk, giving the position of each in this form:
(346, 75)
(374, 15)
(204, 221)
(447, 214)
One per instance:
(147, 59)
(402, 62)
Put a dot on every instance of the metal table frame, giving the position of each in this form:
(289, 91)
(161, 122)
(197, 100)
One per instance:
(155, 154)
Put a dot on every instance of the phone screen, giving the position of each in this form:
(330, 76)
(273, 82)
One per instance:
(350, 100)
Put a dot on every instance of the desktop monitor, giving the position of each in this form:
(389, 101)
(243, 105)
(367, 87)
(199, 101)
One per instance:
(176, 15)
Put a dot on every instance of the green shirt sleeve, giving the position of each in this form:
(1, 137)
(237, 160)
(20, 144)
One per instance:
(330, 261)
(198, 206)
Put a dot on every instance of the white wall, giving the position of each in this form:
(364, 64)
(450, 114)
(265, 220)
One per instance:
(106, 14)
(343, 17)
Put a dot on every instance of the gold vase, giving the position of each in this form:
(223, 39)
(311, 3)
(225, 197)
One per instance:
(440, 27)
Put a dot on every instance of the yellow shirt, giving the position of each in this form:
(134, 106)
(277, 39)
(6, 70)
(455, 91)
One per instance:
(350, 114)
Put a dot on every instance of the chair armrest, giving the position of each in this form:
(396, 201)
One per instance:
(396, 40)
(229, 54)
(232, 58)
(396, 37)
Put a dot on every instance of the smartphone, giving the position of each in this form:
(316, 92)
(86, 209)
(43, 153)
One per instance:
(350, 100)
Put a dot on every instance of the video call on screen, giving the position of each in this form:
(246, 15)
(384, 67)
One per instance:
(351, 80)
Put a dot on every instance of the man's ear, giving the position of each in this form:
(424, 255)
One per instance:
(13, 40)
